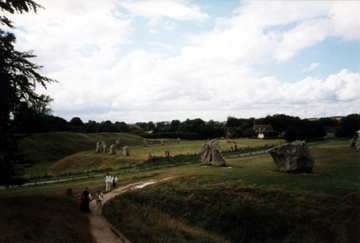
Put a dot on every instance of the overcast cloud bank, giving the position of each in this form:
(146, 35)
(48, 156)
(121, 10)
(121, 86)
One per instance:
(106, 71)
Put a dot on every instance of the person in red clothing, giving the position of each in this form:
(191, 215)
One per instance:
(79, 200)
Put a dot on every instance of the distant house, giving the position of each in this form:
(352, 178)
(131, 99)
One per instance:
(331, 130)
(262, 130)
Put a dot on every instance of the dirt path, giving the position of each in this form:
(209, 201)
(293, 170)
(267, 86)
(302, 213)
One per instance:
(100, 228)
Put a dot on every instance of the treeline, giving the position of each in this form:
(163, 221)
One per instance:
(289, 127)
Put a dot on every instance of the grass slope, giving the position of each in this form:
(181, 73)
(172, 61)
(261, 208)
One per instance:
(44, 149)
(252, 202)
(249, 202)
(89, 160)
(45, 214)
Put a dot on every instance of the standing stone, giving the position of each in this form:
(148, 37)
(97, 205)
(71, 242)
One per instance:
(118, 144)
(293, 157)
(211, 154)
(99, 148)
(358, 145)
(112, 149)
(178, 140)
(69, 192)
(126, 151)
(352, 142)
(161, 142)
(104, 148)
(144, 142)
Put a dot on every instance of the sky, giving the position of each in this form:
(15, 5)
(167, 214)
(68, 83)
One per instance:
(161, 60)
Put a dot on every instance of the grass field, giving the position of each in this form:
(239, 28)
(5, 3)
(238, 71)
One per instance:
(89, 160)
(44, 149)
(249, 202)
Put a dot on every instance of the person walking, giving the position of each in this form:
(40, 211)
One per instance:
(86, 201)
(108, 181)
(99, 197)
(114, 180)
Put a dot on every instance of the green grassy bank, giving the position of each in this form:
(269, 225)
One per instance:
(250, 202)
(45, 149)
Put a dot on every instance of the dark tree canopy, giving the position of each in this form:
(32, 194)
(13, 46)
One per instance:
(350, 124)
(19, 78)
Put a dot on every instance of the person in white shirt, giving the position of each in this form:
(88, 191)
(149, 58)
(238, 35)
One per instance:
(108, 181)
(114, 180)
(99, 197)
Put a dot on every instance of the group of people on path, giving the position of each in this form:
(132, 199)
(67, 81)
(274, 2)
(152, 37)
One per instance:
(110, 180)
(85, 198)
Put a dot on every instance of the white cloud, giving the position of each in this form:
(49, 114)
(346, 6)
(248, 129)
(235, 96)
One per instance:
(156, 9)
(169, 25)
(153, 31)
(311, 67)
(86, 47)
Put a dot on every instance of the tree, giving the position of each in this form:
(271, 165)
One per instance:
(290, 134)
(272, 134)
(123, 126)
(174, 125)
(233, 122)
(319, 131)
(327, 121)
(19, 78)
(150, 126)
(350, 124)
(76, 121)
(248, 133)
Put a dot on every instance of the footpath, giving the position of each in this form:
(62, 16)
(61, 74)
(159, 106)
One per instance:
(101, 229)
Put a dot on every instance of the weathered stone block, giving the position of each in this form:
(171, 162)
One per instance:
(211, 154)
(126, 151)
(99, 148)
(112, 149)
(118, 144)
(293, 157)
(352, 142)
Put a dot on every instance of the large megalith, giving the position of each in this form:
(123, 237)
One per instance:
(99, 148)
(118, 144)
(211, 154)
(144, 142)
(104, 149)
(126, 151)
(103, 145)
(112, 148)
(178, 140)
(293, 157)
(358, 145)
(352, 142)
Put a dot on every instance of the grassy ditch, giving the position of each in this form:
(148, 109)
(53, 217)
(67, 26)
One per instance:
(250, 202)
(44, 213)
